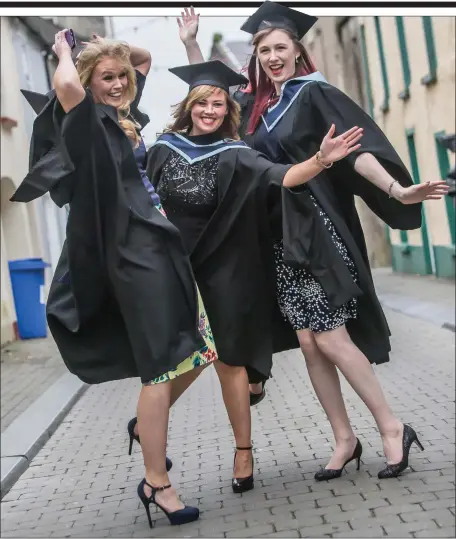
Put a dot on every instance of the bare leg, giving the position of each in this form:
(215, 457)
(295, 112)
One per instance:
(256, 388)
(338, 347)
(153, 414)
(180, 384)
(325, 381)
(235, 390)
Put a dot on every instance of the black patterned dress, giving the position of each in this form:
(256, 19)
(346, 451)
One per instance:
(301, 297)
(188, 193)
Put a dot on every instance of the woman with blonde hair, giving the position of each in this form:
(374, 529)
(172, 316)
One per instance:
(123, 301)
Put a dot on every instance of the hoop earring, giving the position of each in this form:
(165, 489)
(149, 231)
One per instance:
(297, 59)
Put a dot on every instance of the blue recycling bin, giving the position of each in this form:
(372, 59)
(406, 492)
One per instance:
(27, 280)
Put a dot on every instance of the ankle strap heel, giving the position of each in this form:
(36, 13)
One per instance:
(242, 484)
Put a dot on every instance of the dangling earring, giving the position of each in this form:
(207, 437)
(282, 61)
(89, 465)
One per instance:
(297, 59)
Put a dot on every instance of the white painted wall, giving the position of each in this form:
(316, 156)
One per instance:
(160, 36)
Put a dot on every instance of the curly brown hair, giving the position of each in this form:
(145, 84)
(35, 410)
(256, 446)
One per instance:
(183, 119)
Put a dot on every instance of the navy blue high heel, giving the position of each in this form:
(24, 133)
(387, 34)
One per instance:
(131, 432)
(182, 516)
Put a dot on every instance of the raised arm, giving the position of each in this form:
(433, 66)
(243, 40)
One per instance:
(140, 59)
(68, 87)
(331, 150)
(369, 167)
(188, 28)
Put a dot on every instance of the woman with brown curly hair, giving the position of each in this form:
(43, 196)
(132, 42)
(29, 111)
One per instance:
(215, 190)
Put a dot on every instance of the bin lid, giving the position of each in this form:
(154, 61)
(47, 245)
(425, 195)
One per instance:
(27, 264)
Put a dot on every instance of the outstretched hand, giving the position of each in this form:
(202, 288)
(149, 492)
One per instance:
(423, 191)
(188, 25)
(335, 149)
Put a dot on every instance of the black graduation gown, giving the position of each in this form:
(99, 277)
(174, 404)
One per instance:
(292, 132)
(232, 259)
(123, 300)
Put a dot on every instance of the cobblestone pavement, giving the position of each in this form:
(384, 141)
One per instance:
(28, 369)
(83, 483)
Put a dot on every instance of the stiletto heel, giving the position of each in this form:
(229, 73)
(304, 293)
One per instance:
(181, 516)
(325, 474)
(408, 439)
(242, 484)
(418, 443)
(131, 433)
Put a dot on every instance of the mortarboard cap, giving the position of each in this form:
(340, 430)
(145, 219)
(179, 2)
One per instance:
(274, 15)
(214, 73)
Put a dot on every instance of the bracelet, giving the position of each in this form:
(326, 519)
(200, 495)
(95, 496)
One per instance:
(390, 188)
(320, 162)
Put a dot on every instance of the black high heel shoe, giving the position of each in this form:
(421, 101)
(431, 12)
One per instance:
(408, 439)
(256, 398)
(327, 474)
(182, 516)
(245, 483)
(131, 432)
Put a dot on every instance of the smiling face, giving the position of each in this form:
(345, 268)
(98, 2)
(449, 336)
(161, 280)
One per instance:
(109, 82)
(277, 55)
(208, 113)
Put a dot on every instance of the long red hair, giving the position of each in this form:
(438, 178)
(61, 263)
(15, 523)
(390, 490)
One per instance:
(259, 83)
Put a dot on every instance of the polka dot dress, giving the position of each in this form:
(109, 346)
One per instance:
(301, 298)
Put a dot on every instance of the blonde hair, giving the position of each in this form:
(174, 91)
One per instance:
(182, 112)
(90, 57)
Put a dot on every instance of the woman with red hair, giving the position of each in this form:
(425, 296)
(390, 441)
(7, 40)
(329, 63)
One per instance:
(325, 289)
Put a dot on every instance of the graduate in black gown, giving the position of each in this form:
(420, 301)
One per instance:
(123, 301)
(325, 288)
(215, 188)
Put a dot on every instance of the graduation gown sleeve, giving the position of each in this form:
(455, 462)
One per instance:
(141, 117)
(50, 167)
(322, 104)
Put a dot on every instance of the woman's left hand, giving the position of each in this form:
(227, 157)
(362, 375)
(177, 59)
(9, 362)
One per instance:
(335, 149)
(420, 192)
(95, 39)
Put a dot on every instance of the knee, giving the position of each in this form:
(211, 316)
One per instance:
(308, 346)
(224, 370)
(333, 343)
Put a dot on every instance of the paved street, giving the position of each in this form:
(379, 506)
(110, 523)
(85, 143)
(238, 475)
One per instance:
(28, 368)
(83, 483)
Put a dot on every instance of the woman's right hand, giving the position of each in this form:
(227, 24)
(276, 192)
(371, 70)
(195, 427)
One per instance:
(188, 26)
(335, 149)
(61, 46)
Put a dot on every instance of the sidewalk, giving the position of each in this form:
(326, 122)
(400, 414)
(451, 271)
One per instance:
(427, 297)
(28, 369)
(37, 393)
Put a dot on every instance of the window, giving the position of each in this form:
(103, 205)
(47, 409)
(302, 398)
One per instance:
(431, 76)
(405, 93)
(385, 105)
(370, 99)
(410, 134)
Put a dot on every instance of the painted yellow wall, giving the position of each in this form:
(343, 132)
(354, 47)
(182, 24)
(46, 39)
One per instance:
(428, 110)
